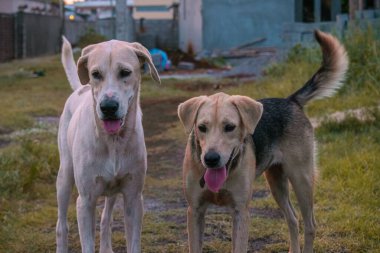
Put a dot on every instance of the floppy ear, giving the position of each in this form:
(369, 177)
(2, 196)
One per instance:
(144, 56)
(82, 65)
(250, 111)
(188, 111)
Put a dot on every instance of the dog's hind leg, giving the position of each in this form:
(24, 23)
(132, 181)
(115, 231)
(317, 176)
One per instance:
(65, 182)
(279, 186)
(105, 225)
(303, 187)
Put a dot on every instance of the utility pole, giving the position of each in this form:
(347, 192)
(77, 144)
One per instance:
(124, 22)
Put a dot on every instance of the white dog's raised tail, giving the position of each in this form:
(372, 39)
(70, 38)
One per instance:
(69, 64)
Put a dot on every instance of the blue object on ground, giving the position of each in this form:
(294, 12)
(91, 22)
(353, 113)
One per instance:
(163, 62)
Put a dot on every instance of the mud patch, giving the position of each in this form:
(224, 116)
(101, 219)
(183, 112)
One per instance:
(216, 230)
(177, 219)
(47, 121)
(159, 115)
(270, 213)
(4, 143)
(260, 194)
(154, 205)
(257, 244)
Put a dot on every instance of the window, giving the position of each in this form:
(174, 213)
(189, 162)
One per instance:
(152, 8)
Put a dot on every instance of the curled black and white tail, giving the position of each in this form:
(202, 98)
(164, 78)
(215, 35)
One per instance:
(69, 64)
(329, 78)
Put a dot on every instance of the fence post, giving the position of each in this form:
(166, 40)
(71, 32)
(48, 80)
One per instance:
(20, 42)
(63, 19)
(124, 22)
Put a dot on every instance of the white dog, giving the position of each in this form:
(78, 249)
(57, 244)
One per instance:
(101, 141)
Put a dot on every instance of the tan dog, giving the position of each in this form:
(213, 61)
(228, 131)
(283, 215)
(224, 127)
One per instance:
(233, 139)
(101, 141)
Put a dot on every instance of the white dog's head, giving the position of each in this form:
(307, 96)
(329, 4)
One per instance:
(112, 69)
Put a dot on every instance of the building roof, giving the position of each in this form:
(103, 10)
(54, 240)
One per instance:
(103, 3)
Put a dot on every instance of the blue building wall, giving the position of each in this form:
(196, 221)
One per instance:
(229, 23)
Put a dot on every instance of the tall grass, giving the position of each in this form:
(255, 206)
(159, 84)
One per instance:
(361, 87)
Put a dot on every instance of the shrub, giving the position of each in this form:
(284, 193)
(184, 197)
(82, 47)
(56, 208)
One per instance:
(90, 37)
(34, 161)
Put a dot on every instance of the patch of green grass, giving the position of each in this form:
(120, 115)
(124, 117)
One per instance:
(24, 97)
(348, 193)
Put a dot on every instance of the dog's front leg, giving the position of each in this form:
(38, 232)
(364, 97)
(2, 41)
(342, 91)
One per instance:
(133, 215)
(105, 225)
(195, 228)
(86, 222)
(240, 230)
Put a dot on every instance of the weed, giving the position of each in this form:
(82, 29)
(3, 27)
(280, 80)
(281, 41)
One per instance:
(90, 37)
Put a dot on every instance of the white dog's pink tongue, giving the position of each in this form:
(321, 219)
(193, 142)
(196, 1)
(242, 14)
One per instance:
(215, 178)
(112, 126)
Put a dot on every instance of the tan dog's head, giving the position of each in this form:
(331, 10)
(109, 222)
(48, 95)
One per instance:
(220, 123)
(112, 68)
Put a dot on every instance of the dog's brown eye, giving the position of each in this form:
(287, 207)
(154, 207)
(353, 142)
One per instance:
(229, 128)
(96, 74)
(124, 73)
(202, 128)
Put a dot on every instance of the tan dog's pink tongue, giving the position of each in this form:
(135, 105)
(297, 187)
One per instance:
(112, 126)
(215, 178)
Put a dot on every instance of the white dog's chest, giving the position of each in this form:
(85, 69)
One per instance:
(112, 186)
(115, 173)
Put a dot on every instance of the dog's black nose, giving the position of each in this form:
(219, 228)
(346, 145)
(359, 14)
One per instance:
(109, 107)
(212, 159)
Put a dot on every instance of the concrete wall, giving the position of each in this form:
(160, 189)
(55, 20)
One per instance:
(230, 23)
(154, 14)
(157, 33)
(190, 25)
(302, 33)
(106, 28)
(75, 29)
